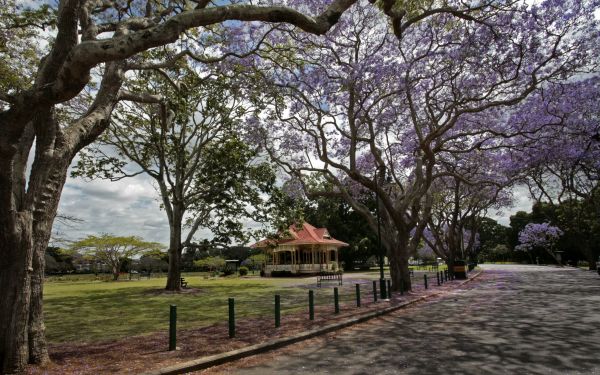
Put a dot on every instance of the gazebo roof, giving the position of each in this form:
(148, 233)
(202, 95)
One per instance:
(305, 235)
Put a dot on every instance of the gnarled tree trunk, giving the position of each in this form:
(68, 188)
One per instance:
(15, 288)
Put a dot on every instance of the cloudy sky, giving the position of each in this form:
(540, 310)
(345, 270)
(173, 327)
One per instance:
(126, 207)
(131, 207)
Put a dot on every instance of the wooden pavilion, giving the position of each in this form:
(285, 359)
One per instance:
(302, 250)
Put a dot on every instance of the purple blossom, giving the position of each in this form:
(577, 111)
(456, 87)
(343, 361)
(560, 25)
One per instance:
(536, 235)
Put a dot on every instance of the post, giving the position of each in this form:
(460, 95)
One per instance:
(374, 291)
(173, 327)
(231, 318)
(425, 279)
(437, 275)
(336, 300)
(401, 287)
(277, 310)
(389, 288)
(357, 295)
(381, 275)
(311, 305)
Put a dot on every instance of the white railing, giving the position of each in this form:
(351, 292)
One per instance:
(301, 267)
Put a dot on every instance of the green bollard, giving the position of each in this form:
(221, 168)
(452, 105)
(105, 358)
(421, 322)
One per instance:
(401, 287)
(231, 318)
(173, 327)
(311, 305)
(437, 275)
(336, 300)
(277, 310)
(425, 279)
(357, 295)
(389, 289)
(374, 291)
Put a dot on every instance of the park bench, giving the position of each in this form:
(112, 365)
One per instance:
(184, 284)
(329, 276)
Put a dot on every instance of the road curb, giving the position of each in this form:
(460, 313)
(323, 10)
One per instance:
(219, 359)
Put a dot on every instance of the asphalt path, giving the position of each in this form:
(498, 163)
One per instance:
(514, 320)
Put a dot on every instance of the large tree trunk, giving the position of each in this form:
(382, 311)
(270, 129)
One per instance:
(38, 350)
(175, 249)
(16, 248)
(44, 218)
(398, 255)
(24, 241)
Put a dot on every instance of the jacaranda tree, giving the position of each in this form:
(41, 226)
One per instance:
(368, 109)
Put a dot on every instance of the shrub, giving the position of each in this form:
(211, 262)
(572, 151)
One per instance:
(243, 271)
(227, 272)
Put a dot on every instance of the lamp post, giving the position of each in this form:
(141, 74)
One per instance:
(382, 286)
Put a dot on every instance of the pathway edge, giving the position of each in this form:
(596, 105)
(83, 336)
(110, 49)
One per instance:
(234, 355)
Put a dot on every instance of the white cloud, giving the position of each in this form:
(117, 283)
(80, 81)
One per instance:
(126, 207)
(521, 202)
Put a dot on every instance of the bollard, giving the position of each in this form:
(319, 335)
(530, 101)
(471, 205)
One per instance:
(231, 318)
(357, 295)
(374, 291)
(311, 305)
(425, 279)
(401, 287)
(389, 289)
(173, 327)
(277, 310)
(336, 300)
(445, 275)
(437, 275)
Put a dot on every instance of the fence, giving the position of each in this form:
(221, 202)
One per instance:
(329, 301)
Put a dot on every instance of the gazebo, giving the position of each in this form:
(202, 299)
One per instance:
(302, 250)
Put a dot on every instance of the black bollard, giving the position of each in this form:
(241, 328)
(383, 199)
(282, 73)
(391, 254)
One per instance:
(374, 291)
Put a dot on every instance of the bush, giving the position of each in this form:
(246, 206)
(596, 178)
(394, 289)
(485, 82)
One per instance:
(227, 272)
(243, 271)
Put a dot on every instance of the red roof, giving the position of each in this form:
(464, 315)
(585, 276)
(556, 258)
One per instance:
(306, 235)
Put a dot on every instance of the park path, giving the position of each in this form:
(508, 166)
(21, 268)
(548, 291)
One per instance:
(514, 320)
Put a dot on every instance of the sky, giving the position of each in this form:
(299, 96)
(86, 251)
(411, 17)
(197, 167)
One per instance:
(131, 207)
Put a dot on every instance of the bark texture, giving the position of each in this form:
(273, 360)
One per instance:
(28, 206)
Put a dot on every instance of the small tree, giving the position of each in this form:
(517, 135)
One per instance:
(542, 235)
(255, 262)
(112, 250)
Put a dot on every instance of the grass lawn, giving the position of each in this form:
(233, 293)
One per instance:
(95, 310)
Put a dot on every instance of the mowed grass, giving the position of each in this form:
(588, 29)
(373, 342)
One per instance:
(95, 310)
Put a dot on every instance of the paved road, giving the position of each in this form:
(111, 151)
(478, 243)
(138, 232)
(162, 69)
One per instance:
(515, 320)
